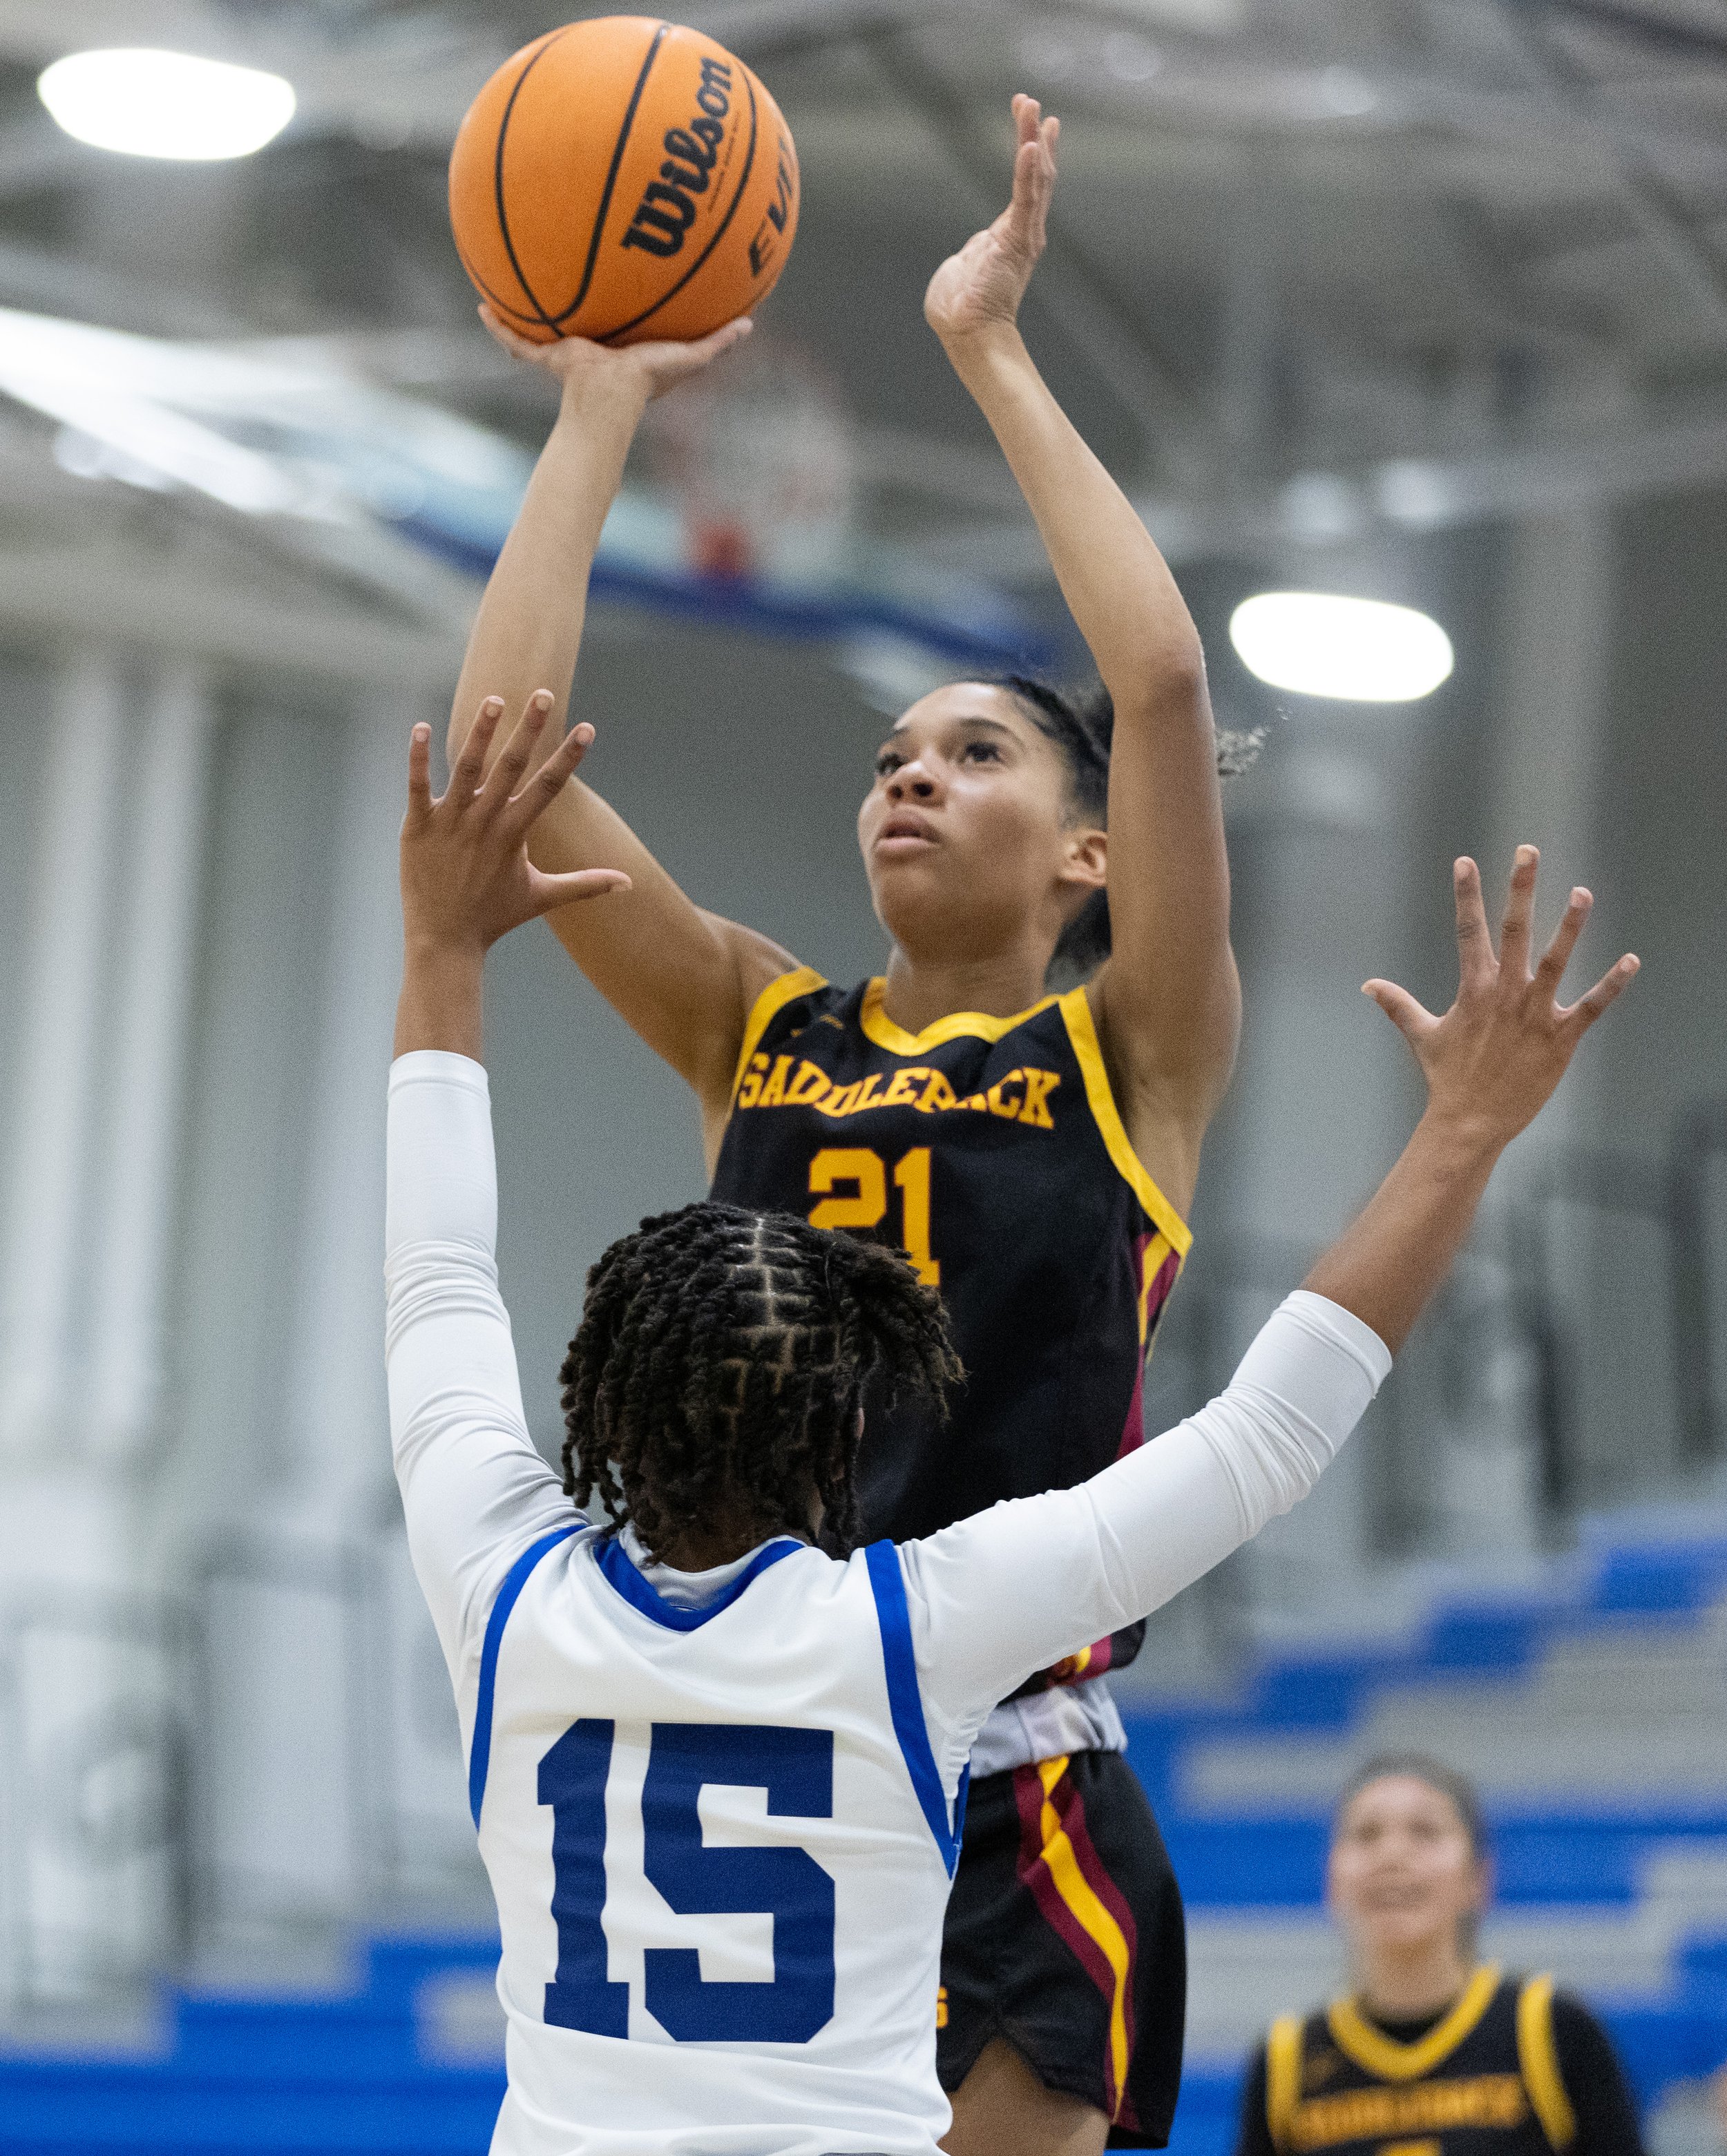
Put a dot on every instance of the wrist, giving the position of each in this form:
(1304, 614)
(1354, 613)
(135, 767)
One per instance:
(1462, 1136)
(428, 955)
(983, 348)
(615, 393)
(442, 995)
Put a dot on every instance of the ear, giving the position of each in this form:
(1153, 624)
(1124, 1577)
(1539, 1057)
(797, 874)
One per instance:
(1085, 861)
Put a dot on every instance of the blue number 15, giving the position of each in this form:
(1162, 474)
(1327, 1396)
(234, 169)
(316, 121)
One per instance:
(796, 1769)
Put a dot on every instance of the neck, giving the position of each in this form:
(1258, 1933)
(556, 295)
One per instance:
(1408, 1986)
(920, 992)
(699, 1549)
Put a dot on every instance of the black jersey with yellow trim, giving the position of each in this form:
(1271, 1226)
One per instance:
(990, 1150)
(1483, 2081)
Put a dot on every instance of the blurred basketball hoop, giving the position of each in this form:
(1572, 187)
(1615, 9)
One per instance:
(759, 457)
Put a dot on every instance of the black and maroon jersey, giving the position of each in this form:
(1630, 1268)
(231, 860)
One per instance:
(991, 1152)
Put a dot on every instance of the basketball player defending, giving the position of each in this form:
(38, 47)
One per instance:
(1035, 1155)
(718, 1772)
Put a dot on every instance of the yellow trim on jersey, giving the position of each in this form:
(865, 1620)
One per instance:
(1094, 1919)
(772, 999)
(1283, 2077)
(1082, 1037)
(1357, 2038)
(957, 1025)
(1539, 2057)
(1156, 1250)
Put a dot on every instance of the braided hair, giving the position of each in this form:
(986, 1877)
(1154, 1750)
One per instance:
(719, 1367)
(1081, 726)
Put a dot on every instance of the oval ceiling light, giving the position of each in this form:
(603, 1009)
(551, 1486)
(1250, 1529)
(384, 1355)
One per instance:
(1361, 650)
(153, 103)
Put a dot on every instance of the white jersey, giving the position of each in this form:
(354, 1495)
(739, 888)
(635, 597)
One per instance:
(720, 1811)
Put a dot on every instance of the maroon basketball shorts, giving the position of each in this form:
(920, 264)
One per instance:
(1065, 1938)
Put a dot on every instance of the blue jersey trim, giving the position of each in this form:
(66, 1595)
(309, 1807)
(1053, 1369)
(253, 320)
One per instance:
(514, 1579)
(641, 1595)
(888, 1583)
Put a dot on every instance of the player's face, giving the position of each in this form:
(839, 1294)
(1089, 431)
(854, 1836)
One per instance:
(1402, 1874)
(966, 835)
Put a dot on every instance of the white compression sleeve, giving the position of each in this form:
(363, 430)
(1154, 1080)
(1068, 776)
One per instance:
(473, 1488)
(1015, 1588)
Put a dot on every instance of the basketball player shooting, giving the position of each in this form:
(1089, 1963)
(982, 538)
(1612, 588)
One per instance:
(1034, 1154)
(718, 1771)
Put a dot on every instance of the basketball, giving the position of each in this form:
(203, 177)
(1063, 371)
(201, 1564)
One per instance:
(623, 179)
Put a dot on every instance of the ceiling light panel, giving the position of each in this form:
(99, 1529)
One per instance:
(147, 103)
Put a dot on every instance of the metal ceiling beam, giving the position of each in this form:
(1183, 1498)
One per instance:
(47, 282)
(1655, 457)
(194, 606)
(1658, 212)
(1068, 291)
(1663, 32)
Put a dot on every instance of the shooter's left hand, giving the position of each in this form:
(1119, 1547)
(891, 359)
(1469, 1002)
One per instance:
(466, 879)
(982, 286)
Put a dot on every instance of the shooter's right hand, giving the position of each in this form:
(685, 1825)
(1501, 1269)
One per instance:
(578, 365)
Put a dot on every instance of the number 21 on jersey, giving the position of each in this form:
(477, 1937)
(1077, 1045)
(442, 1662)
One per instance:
(795, 1769)
(835, 1165)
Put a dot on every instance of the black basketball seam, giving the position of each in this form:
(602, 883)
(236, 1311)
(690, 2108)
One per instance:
(612, 336)
(497, 175)
(505, 306)
(611, 178)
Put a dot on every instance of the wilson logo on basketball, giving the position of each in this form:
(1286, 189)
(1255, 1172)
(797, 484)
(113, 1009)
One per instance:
(667, 208)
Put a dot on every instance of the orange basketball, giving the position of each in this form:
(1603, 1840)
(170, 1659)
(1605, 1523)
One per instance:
(620, 179)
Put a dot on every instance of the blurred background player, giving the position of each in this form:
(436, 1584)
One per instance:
(1037, 1157)
(1432, 2049)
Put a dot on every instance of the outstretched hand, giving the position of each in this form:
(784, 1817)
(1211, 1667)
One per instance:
(1492, 1061)
(466, 879)
(578, 364)
(986, 281)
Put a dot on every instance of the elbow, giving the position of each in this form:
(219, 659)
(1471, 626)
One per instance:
(1175, 672)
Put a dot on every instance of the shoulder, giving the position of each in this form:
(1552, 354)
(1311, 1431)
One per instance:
(1575, 2079)
(1578, 2035)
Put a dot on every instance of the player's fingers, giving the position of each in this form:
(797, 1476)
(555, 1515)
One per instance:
(549, 892)
(512, 341)
(1027, 112)
(419, 774)
(506, 775)
(1557, 954)
(464, 780)
(1475, 946)
(553, 775)
(669, 364)
(1519, 913)
(701, 351)
(1612, 984)
(1411, 1019)
(1025, 212)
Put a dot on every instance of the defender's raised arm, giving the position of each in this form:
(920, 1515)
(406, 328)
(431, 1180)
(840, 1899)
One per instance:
(1116, 1548)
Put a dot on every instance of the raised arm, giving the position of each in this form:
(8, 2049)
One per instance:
(1116, 1548)
(475, 1491)
(684, 979)
(1167, 1002)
